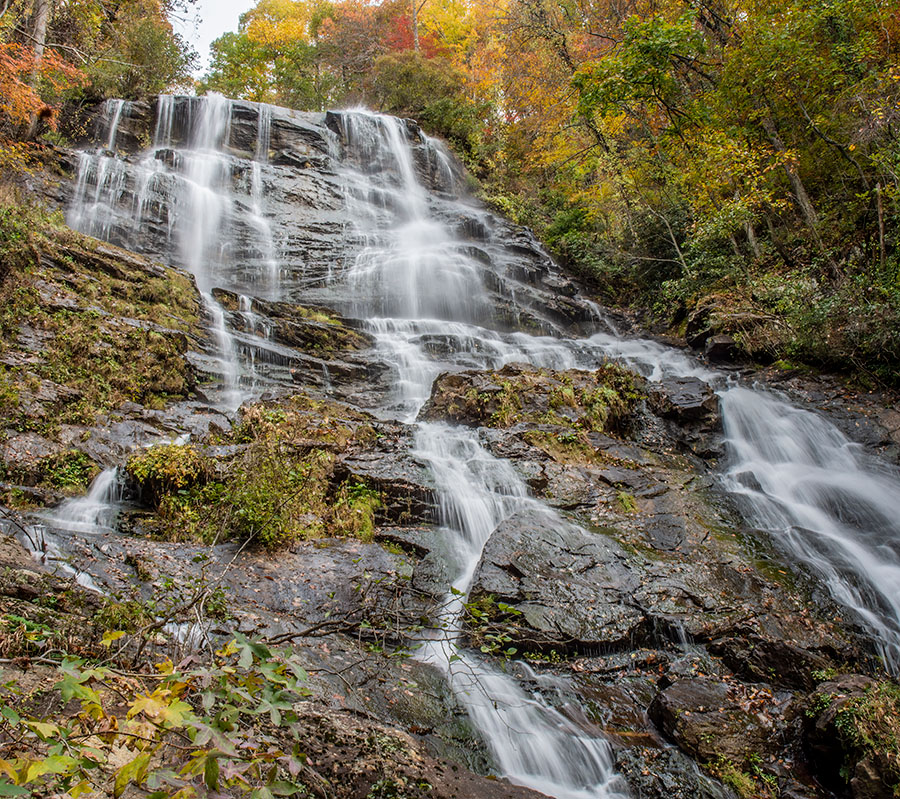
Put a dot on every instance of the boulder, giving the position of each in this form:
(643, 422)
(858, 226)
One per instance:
(851, 728)
(686, 400)
(711, 719)
(720, 348)
(569, 586)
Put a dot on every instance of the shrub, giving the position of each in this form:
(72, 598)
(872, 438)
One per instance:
(167, 469)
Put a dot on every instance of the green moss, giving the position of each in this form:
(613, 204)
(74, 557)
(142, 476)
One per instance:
(743, 784)
(278, 488)
(21, 230)
(869, 726)
(121, 335)
(600, 401)
(570, 446)
(354, 511)
(9, 393)
(563, 396)
(626, 502)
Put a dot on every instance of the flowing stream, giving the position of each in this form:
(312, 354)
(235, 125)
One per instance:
(413, 281)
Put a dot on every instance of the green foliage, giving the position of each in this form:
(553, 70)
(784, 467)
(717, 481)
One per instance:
(20, 225)
(487, 620)
(869, 726)
(507, 404)
(167, 468)
(407, 83)
(430, 90)
(279, 487)
(742, 783)
(627, 503)
(128, 616)
(643, 68)
(148, 59)
(71, 471)
(354, 510)
(227, 727)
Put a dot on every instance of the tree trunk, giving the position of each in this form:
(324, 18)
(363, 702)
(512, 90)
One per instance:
(415, 24)
(803, 200)
(779, 248)
(754, 242)
(39, 33)
(39, 38)
(882, 253)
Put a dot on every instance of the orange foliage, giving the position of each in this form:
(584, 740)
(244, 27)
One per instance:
(20, 99)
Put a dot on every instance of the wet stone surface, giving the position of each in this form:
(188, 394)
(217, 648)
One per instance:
(625, 583)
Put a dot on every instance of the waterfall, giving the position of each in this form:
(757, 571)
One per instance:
(186, 185)
(257, 219)
(410, 267)
(412, 280)
(113, 117)
(532, 743)
(90, 515)
(823, 502)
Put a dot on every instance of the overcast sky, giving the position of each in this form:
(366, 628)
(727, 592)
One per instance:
(208, 20)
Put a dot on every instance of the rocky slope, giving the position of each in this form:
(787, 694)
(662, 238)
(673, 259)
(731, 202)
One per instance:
(640, 605)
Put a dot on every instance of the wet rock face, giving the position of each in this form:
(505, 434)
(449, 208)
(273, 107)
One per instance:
(689, 409)
(685, 399)
(305, 207)
(568, 585)
(710, 719)
(315, 330)
(850, 726)
(96, 348)
(297, 346)
(782, 662)
(650, 607)
(667, 774)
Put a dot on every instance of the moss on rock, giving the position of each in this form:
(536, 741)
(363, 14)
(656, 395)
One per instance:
(85, 326)
(273, 480)
(598, 401)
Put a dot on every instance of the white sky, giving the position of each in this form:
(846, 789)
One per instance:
(207, 21)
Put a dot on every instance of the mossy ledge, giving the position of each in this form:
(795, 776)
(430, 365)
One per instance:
(271, 480)
(604, 400)
(85, 327)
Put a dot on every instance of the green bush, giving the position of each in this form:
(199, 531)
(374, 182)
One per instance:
(167, 469)
(72, 471)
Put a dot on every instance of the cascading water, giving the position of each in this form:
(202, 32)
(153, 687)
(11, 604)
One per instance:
(409, 267)
(92, 514)
(532, 743)
(435, 302)
(187, 184)
(830, 507)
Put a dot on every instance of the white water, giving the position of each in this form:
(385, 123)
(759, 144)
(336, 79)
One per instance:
(828, 508)
(113, 114)
(532, 743)
(408, 259)
(423, 295)
(187, 177)
(823, 502)
(92, 514)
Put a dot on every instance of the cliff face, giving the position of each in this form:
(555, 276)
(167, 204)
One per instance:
(385, 423)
